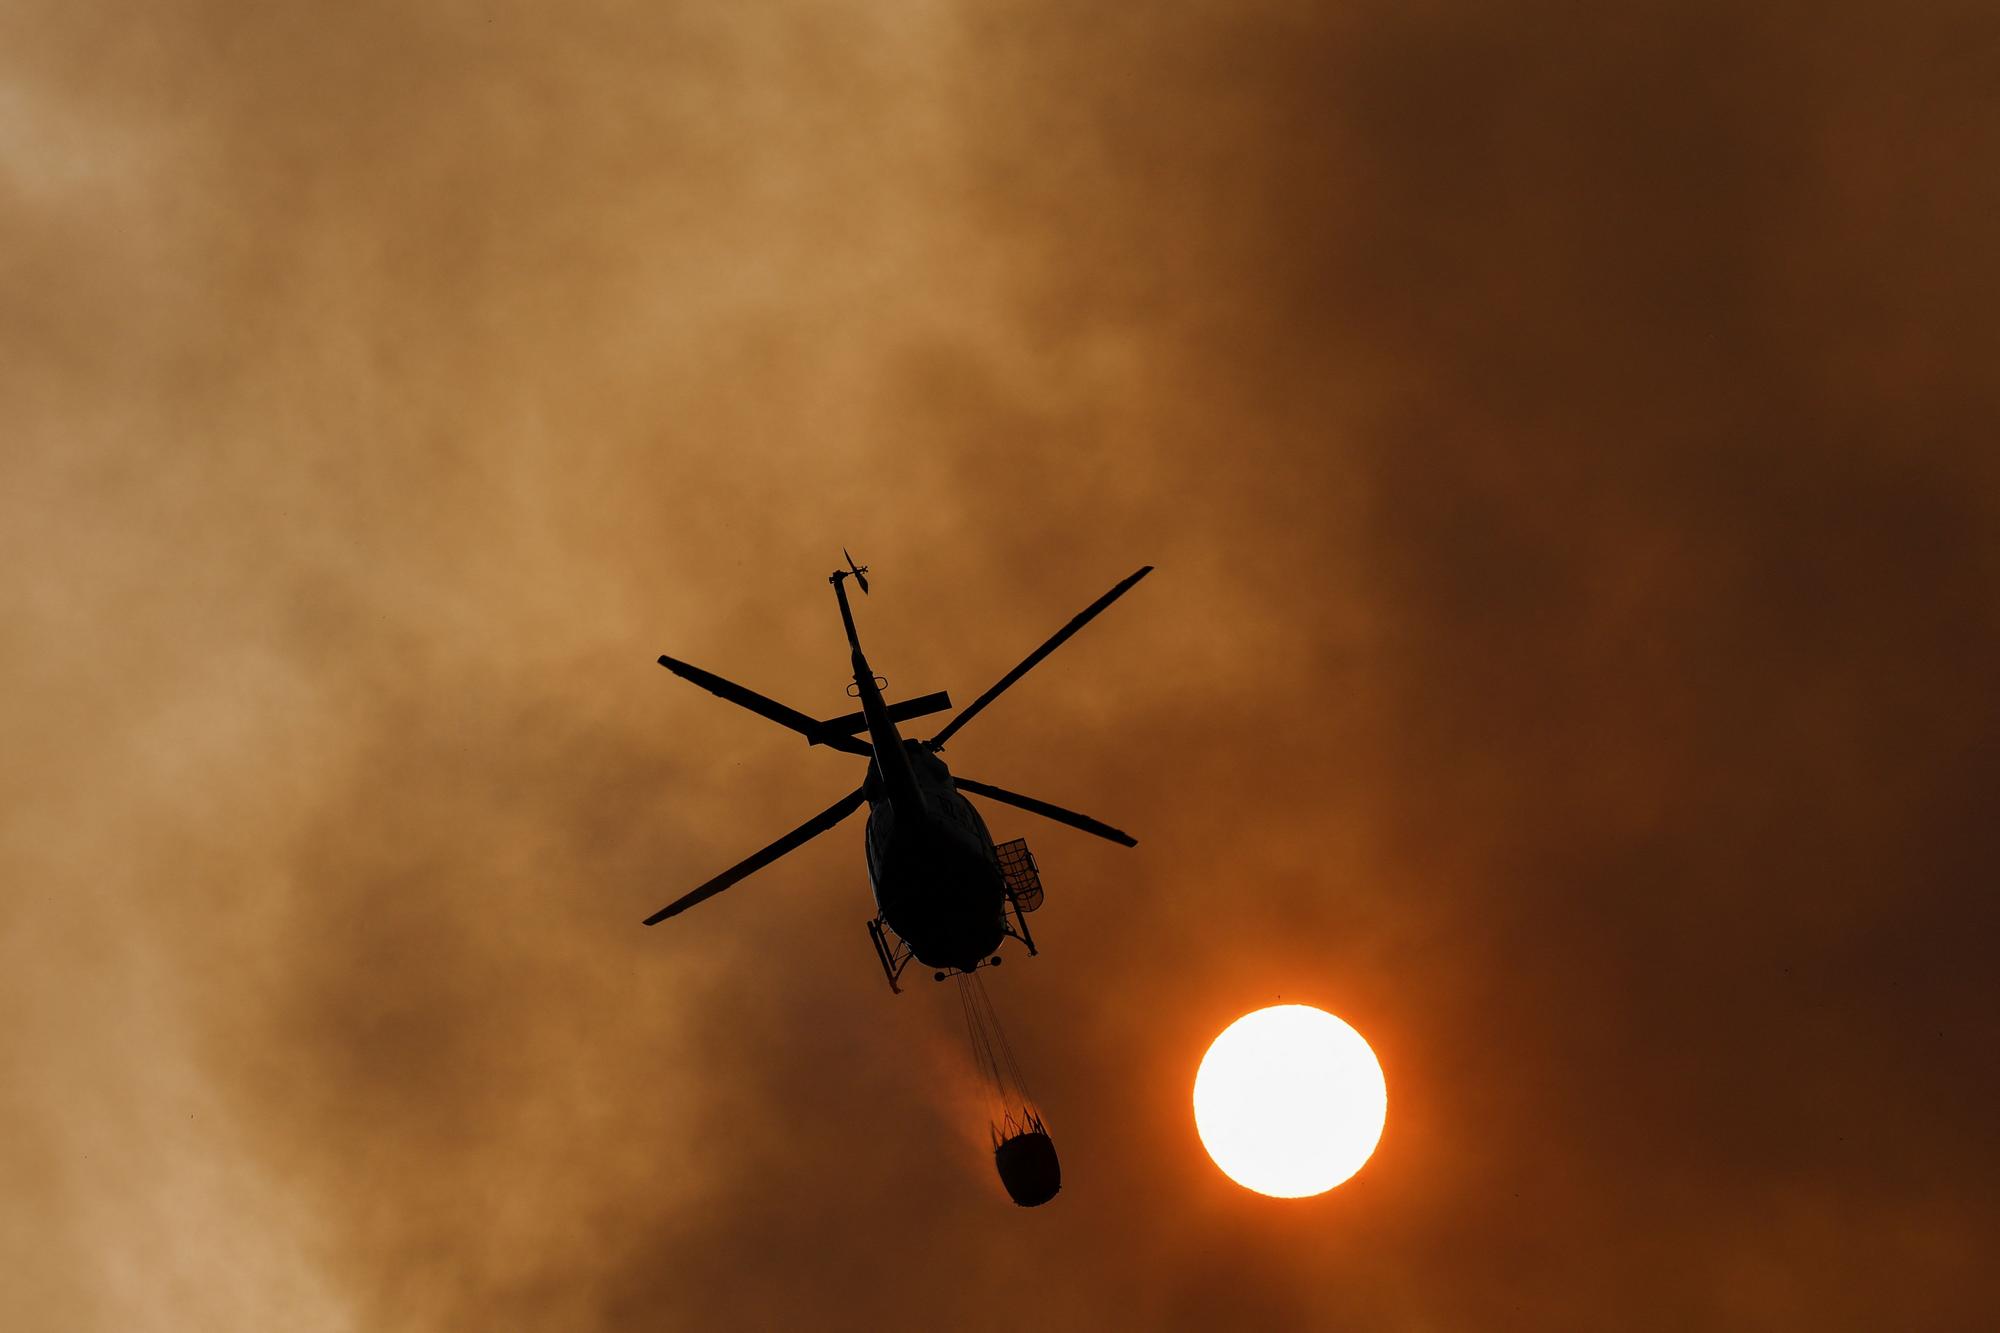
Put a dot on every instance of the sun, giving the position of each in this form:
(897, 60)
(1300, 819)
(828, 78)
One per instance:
(1289, 1101)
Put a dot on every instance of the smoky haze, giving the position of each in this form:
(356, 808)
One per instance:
(1565, 435)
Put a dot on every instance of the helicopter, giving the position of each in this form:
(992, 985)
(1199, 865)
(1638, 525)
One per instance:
(946, 894)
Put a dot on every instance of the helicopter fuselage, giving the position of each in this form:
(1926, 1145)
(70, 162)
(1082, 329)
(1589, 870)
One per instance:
(932, 866)
(931, 861)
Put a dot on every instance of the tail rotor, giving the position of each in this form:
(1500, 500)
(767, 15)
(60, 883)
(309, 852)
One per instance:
(860, 572)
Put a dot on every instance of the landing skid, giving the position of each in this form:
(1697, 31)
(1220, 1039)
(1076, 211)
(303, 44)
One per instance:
(1018, 925)
(890, 950)
(895, 955)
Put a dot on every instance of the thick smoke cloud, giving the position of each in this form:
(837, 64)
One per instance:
(1565, 438)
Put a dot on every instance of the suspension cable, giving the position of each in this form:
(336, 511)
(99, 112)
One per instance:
(994, 1054)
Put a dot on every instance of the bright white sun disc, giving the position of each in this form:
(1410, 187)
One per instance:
(1289, 1101)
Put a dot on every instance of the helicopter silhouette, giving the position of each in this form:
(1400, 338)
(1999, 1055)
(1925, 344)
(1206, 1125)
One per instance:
(945, 893)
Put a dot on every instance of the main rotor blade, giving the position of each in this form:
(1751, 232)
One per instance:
(1056, 641)
(1047, 811)
(798, 837)
(743, 697)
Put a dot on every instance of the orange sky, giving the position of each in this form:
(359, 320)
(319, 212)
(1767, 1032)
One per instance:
(1566, 438)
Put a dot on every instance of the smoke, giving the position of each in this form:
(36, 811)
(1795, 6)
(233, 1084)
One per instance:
(1564, 436)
